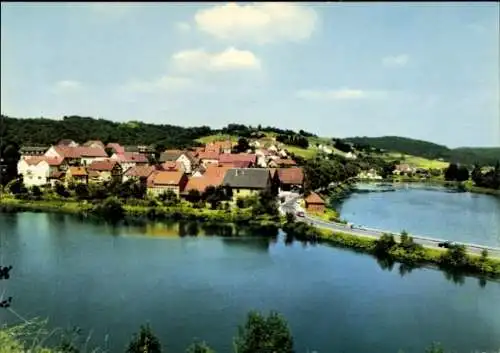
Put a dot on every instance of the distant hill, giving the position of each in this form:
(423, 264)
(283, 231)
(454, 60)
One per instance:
(430, 150)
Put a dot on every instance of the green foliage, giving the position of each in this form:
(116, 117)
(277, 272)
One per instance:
(169, 198)
(16, 187)
(425, 149)
(242, 146)
(490, 180)
(290, 217)
(319, 173)
(111, 209)
(435, 348)
(293, 140)
(199, 347)
(9, 153)
(456, 173)
(82, 191)
(262, 334)
(36, 192)
(455, 256)
(144, 342)
(267, 204)
(384, 244)
(193, 196)
(215, 195)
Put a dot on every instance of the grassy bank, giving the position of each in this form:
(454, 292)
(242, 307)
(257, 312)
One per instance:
(455, 260)
(178, 212)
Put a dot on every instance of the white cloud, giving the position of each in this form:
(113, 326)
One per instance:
(165, 83)
(229, 59)
(183, 26)
(340, 94)
(396, 60)
(258, 22)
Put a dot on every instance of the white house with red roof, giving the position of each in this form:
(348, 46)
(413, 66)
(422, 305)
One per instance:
(36, 170)
(130, 159)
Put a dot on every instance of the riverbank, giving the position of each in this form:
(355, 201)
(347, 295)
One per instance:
(454, 261)
(464, 186)
(157, 212)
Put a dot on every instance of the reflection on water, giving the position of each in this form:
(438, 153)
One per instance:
(110, 279)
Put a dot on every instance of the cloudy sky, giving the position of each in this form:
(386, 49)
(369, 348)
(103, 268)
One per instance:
(427, 71)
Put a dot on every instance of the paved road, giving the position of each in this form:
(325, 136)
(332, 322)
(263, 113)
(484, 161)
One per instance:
(290, 206)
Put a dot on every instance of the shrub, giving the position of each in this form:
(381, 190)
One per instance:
(144, 342)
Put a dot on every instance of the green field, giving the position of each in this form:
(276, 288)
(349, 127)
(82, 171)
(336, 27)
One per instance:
(418, 162)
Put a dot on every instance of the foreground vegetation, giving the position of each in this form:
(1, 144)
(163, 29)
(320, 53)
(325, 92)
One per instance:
(259, 334)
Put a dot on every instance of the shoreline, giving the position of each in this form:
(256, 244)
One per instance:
(484, 268)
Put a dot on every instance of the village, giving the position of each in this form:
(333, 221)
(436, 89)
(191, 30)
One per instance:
(179, 171)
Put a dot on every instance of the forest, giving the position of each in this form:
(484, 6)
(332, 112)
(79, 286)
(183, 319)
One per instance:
(419, 148)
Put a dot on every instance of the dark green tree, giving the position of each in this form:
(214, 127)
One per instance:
(242, 146)
(199, 347)
(60, 190)
(144, 342)
(111, 209)
(262, 334)
(82, 191)
(36, 192)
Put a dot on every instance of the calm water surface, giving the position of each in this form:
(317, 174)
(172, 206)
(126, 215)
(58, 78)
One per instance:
(110, 280)
(432, 211)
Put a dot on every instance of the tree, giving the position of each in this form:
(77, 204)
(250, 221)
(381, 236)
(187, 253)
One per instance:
(451, 172)
(194, 196)
(144, 342)
(385, 243)
(36, 192)
(199, 347)
(9, 156)
(16, 186)
(455, 256)
(462, 173)
(242, 146)
(109, 151)
(61, 190)
(82, 191)
(111, 209)
(267, 204)
(262, 334)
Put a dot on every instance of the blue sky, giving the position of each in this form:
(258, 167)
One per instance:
(427, 71)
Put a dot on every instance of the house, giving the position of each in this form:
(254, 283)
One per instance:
(290, 178)
(255, 143)
(100, 171)
(94, 144)
(403, 169)
(32, 151)
(209, 158)
(219, 146)
(272, 149)
(314, 203)
(67, 143)
(77, 155)
(36, 170)
(236, 160)
(184, 157)
(115, 147)
(369, 175)
(198, 171)
(173, 166)
(56, 177)
(282, 163)
(76, 175)
(130, 159)
(350, 155)
(247, 181)
(161, 181)
(139, 173)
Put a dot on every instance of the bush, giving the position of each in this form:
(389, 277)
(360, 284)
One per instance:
(144, 342)
(111, 209)
(199, 347)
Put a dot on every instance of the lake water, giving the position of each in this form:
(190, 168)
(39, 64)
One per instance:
(110, 280)
(430, 211)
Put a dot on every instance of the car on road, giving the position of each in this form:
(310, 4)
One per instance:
(444, 244)
(300, 214)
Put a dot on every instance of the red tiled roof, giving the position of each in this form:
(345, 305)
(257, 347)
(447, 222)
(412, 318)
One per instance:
(216, 172)
(218, 146)
(52, 161)
(166, 178)
(170, 165)
(56, 174)
(239, 157)
(314, 199)
(127, 157)
(201, 183)
(104, 165)
(293, 175)
(285, 162)
(140, 171)
(213, 155)
(116, 147)
(79, 152)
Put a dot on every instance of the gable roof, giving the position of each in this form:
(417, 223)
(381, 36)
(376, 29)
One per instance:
(80, 151)
(314, 198)
(130, 157)
(161, 177)
(237, 157)
(116, 147)
(171, 165)
(212, 155)
(52, 161)
(32, 149)
(293, 175)
(285, 162)
(104, 165)
(247, 178)
(170, 155)
(140, 171)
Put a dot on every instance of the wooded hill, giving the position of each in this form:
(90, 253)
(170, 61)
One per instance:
(419, 148)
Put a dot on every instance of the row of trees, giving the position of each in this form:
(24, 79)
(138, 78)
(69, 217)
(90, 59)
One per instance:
(490, 179)
(321, 172)
(293, 140)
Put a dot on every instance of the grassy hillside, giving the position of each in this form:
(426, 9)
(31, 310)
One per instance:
(431, 151)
